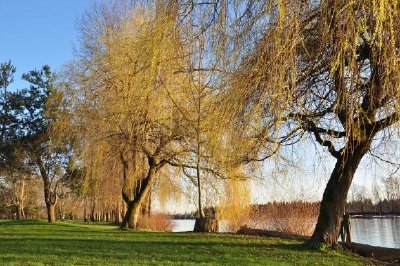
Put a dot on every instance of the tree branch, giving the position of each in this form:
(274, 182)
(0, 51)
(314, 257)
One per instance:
(384, 123)
(328, 144)
(309, 125)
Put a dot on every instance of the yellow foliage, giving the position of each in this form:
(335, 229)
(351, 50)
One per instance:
(124, 113)
(235, 206)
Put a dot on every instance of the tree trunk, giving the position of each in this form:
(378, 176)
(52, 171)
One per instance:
(20, 212)
(92, 211)
(135, 196)
(85, 219)
(132, 215)
(118, 218)
(23, 212)
(146, 206)
(334, 198)
(206, 225)
(49, 197)
(134, 206)
(199, 188)
(50, 205)
(51, 212)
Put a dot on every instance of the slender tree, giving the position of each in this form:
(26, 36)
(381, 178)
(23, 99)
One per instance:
(28, 145)
(41, 111)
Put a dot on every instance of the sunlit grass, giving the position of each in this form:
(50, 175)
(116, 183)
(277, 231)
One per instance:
(66, 243)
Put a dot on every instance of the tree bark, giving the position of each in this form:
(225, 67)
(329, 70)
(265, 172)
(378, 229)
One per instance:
(146, 206)
(206, 225)
(199, 188)
(131, 215)
(50, 197)
(51, 212)
(139, 195)
(85, 219)
(50, 203)
(335, 195)
(118, 216)
(92, 210)
(51, 207)
(20, 199)
(20, 212)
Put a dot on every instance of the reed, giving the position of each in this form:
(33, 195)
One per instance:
(296, 217)
(156, 222)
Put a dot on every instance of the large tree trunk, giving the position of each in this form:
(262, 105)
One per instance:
(51, 212)
(50, 205)
(50, 201)
(131, 215)
(134, 202)
(20, 211)
(335, 195)
(206, 225)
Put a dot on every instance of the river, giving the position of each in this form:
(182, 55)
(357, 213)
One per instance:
(384, 232)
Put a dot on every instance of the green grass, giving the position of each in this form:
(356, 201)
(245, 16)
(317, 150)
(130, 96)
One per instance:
(66, 243)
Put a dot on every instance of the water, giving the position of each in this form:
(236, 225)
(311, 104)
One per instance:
(183, 225)
(384, 232)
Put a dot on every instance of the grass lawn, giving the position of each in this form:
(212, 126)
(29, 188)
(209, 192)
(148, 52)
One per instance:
(66, 243)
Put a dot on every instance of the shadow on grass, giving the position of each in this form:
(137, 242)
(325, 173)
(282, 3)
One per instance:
(22, 222)
(291, 246)
(58, 224)
(176, 251)
(144, 240)
(78, 243)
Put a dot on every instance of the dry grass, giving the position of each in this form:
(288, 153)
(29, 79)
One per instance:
(156, 222)
(297, 218)
(289, 217)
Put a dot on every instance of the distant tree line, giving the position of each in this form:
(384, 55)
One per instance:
(366, 206)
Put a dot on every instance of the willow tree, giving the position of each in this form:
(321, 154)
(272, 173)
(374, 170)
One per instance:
(129, 121)
(329, 69)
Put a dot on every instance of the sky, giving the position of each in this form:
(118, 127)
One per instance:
(38, 32)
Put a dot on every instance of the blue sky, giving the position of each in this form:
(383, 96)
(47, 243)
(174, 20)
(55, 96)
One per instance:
(38, 32)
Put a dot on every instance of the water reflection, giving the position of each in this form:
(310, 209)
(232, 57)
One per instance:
(183, 225)
(384, 232)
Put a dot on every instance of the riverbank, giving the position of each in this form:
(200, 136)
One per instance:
(382, 254)
(69, 243)
(388, 255)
